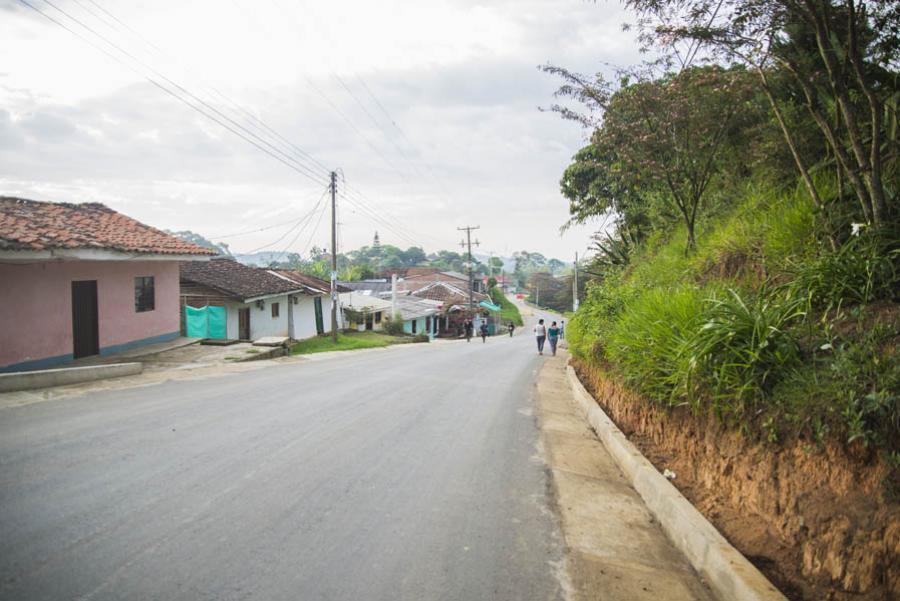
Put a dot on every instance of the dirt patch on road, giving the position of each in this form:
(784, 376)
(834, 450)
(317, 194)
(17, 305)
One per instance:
(815, 521)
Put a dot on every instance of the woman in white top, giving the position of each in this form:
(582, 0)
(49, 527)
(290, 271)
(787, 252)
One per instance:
(540, 332)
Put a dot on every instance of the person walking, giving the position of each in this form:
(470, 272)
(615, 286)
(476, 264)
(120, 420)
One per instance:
(484, 331)
(511, 327)
(469, 328)
(562, 329)
(540, 334)
(553, 337)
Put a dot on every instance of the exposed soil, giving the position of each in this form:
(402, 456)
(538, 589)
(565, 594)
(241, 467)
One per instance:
(814, 521)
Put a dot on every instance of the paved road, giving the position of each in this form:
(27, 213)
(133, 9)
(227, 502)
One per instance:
(410, 473)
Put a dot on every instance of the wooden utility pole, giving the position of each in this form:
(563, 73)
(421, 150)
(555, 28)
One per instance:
(468, 243)
(575, 286)
(334, 293)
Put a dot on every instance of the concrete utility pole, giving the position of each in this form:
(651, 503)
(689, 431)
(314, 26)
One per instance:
(334, 294)
(468, 243)
(575, 286)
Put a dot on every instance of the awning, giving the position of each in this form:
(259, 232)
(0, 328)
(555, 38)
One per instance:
(489, 306)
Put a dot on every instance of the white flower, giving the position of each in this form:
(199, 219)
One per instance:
(856, 228)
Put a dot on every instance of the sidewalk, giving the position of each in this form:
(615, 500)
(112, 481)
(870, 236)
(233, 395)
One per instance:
(614, 548)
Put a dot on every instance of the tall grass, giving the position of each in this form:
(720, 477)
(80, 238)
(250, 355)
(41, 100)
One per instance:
(649, 339)
(742, 350)
(864, 269)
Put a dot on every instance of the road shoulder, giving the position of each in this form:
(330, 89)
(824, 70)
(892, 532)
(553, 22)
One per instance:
(614, 548)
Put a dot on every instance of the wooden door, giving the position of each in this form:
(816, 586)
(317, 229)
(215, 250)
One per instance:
(85, 322)
(244, 324)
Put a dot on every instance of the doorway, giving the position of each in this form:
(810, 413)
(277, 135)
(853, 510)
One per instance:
(85, 322)
(244, 323)
(320, 321)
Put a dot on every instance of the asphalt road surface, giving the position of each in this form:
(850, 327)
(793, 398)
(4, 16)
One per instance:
(410, 473)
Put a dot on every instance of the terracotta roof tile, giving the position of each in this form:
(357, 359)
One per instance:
(236, 279)
(34, 225)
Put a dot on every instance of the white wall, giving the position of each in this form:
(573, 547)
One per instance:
(305, 317)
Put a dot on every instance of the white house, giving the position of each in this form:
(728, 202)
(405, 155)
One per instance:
(257, 302)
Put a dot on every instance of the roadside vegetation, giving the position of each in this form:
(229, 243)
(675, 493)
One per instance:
(752, 268)
(508, 311)
(348, 341)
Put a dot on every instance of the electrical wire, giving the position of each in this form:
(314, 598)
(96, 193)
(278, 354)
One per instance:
(261, 143)
(306, 221)
(257, 142)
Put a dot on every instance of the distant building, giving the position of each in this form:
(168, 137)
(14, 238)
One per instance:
(254, 302)
(81, 280)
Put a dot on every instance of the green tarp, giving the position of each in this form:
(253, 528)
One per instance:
(489, 306)
(205, 322)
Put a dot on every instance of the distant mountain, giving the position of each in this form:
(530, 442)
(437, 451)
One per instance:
(260, 259)
(199, 240)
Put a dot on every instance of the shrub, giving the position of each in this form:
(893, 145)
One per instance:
(743, 348)
(394, 326)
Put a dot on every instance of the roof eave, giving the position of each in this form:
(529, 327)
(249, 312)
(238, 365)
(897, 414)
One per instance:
(94, 254)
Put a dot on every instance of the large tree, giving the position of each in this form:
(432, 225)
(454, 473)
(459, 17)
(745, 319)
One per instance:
(841, 57)
(665, 133)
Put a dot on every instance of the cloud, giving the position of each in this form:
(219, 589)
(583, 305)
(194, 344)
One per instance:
(454, 137)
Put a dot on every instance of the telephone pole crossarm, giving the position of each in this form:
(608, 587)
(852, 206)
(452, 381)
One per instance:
(467, 243)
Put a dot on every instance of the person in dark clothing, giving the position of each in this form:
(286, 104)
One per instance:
(553, 337)
(483, 331)
(469, 328)
(511, 327)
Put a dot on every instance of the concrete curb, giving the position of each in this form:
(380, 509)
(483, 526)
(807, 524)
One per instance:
(729, 574)
(27, 380)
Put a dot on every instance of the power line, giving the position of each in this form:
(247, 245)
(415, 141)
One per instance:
(242, 132)
(258, 142)
(306, 217)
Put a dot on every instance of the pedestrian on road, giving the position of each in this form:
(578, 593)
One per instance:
(469, 328)
(511, 327)
(562, 329)
(540, 333)
(553, 337)
(483, 330)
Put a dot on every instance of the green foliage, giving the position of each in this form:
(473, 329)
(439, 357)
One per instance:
(346, 342)
(393, 325)
(861, 271)
(849, 388)
(742, 350)
(745, 327)
(508, 311)
(648, 341)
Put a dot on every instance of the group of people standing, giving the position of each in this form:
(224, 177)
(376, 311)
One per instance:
(552, 335)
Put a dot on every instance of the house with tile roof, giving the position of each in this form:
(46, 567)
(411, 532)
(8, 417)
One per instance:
(83, 279)
(254, 302)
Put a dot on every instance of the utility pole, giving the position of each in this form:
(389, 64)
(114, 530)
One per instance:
(334, 294)
(468, 243)
(575, 286)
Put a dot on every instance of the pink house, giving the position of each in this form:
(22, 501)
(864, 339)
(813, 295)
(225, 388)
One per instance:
(81, 279)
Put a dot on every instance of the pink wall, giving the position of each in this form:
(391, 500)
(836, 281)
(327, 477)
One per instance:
(36, 305)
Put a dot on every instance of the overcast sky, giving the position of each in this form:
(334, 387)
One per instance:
(428, 107)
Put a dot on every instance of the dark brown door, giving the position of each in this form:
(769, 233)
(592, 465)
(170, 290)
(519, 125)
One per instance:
(244, 324)
(85, 335)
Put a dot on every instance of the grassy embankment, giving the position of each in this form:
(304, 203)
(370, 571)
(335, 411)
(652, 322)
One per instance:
(763, 327)
(348, 341)
(508, 311)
